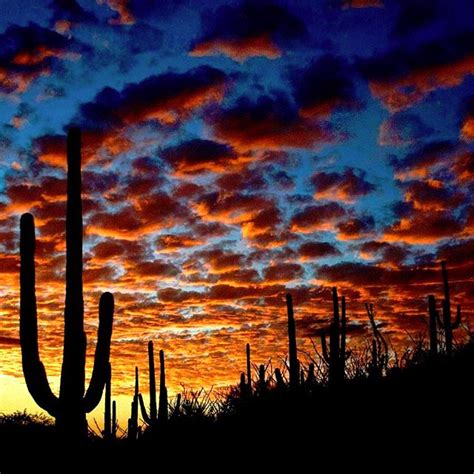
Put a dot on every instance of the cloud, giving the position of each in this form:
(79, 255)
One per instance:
(123, 14)
(68, 13)
(346, 186)
(362, 3)
(423, 228)
(405, 76)
(317, 217)
(283, 272)
(268, 123)
(419, 162)
(247, 30)
(230, 208)
(432, 195)
(356, 228)
(467, 126)
(29, 52)
(403, 129)
(315, 250)
(414, 15)
(324, 86)
(384, 252)
(199, 156)
(165, 98)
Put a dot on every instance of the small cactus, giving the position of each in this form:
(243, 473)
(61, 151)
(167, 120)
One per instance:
(249, 368)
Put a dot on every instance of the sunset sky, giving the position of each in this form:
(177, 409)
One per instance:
(233, 151)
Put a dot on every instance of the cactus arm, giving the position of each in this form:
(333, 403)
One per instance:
(33, 369)
(102, 353)
(107, 406)
(114, 419)
(152, 383)
(145, 416)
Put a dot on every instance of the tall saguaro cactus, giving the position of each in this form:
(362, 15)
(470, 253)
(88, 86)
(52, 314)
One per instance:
(249, 368)
(336, 356)
(71, 406)
(133, 429)
(292, 348)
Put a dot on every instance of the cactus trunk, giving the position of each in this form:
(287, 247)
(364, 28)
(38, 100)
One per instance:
(71, 406)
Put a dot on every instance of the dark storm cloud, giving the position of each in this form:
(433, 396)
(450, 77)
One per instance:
(166, 98)
(326, 84)
(248, 29)
(27, 52)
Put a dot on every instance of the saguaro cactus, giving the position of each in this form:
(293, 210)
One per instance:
(446, 322)
(162, 414)
(336, 357)
(133, 420)
(71, 406)
(249, 368)
(294, 368)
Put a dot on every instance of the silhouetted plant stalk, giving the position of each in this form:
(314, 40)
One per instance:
(70, 408)
(336, 356)
(379, 348)
(294, 366)
(249, 369)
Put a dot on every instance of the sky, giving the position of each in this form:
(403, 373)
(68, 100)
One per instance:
(234, 151)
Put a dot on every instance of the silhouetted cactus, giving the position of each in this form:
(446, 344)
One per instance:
(70, 408)
(133, 429)
(280, 383)
(336, 357)
(114, 419)
(262, 385)
(310, 379)
(162, 414)
(446, 322)
(379, 348)
(294, 366)
(249, 368)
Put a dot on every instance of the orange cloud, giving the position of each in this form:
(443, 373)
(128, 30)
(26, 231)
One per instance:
(239, 49)
(402, 93)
